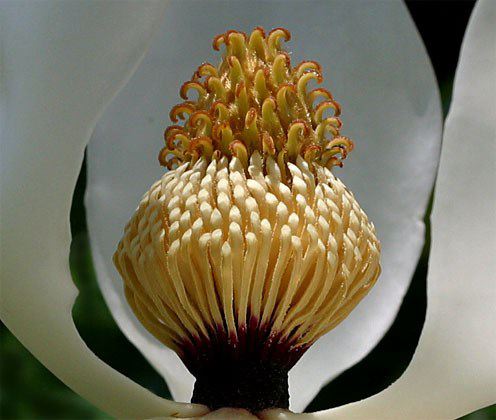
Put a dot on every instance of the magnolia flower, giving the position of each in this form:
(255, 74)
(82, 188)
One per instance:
(65, 62)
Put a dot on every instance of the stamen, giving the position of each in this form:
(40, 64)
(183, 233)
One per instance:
(249, 249)
(270, 268)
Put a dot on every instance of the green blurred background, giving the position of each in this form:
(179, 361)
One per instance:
(29, 391)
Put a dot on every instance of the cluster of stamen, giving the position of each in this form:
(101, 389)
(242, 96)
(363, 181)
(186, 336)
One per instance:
(212, 254)
(255, 101)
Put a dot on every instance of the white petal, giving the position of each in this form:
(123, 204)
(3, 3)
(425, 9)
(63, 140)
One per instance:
(376, 67)
(453, 371)
(61, 64)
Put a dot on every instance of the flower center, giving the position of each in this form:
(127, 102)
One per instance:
(249, 249)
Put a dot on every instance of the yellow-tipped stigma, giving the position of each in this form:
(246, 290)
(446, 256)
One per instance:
(253, 99)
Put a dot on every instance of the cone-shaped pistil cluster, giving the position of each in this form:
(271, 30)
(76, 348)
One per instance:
(255, 100)
(249, 249)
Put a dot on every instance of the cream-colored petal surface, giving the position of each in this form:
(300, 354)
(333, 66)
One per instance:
(376, 67)
(453, 371)
(62, 62)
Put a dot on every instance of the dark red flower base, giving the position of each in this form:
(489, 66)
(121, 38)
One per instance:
(247, 369)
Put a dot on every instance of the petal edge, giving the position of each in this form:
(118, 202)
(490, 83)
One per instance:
(62, 63)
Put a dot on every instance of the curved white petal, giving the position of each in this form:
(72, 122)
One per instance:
(453, 371)
(61, 64)
(376, 67)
